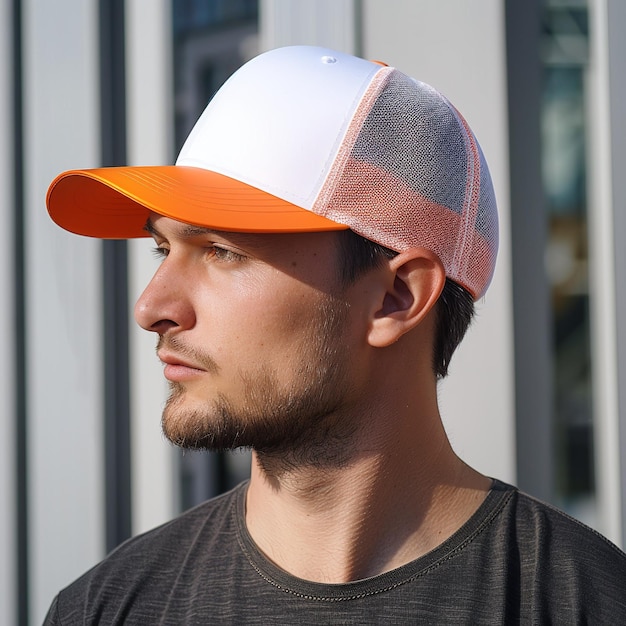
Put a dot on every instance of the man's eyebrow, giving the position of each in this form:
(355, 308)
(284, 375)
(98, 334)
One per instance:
(187, 230)
(190, 231)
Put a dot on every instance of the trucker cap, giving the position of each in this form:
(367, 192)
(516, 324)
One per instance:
(305, 138)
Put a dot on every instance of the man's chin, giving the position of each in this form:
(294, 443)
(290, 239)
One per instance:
(192, 426)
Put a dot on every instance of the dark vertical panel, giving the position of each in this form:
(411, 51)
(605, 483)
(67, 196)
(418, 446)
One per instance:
(115, 284)
(531, 305)
(19, 300)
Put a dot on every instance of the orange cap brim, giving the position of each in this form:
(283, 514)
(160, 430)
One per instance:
(115, 202)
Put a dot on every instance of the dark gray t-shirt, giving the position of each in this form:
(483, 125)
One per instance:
(516, 560)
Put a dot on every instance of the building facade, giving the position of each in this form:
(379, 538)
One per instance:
(534, 394)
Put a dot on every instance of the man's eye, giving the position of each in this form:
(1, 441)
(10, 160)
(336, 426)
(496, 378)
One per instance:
(224, 254)
(160, 252)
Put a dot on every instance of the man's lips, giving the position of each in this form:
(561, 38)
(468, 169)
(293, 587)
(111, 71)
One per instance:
(177, 370)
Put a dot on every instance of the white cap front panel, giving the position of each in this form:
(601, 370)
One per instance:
(277, 129)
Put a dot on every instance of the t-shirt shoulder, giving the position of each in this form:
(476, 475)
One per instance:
(542, 519)
(214, 513)
(142, 565)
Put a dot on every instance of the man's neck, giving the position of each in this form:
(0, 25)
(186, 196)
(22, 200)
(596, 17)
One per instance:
(389, 504)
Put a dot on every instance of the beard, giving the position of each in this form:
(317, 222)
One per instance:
(303, 422)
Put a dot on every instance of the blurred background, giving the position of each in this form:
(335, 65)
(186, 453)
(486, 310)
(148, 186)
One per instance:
(534, 394)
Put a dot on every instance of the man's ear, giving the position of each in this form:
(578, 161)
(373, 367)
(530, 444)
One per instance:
(414, 281)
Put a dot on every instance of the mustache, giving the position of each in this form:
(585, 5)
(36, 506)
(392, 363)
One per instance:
(199, 357)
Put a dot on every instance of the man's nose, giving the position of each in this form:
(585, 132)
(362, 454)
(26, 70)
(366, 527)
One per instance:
(165, 303)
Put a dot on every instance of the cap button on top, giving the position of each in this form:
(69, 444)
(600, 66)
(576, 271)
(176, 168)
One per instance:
(329, 59)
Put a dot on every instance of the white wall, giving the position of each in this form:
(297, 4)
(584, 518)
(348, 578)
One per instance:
(331, 23)
(65, 453)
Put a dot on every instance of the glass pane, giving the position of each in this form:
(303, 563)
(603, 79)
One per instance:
(565, 45)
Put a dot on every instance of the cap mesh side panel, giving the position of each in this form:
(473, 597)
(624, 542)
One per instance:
(405, 183)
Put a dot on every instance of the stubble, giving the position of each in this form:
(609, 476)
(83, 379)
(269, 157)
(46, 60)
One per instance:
(305, 422)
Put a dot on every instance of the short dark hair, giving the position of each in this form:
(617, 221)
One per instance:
(455, 307)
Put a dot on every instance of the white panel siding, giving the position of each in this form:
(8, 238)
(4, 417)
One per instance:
(65, 445)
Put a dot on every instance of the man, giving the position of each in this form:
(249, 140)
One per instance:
(323, 235)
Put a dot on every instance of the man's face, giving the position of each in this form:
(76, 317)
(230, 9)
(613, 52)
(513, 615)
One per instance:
(254, 333)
